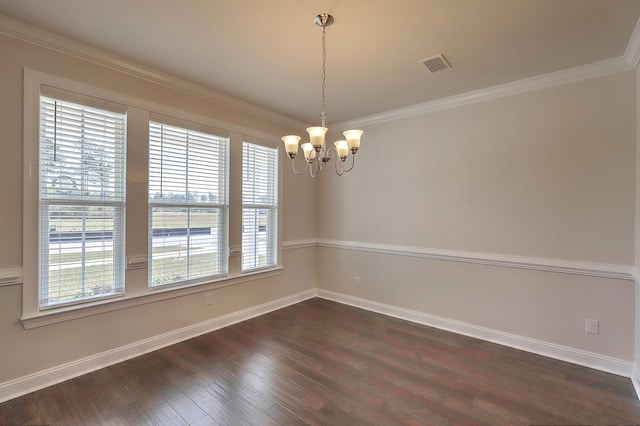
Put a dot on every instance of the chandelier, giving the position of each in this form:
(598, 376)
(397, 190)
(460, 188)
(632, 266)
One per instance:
(316, 153)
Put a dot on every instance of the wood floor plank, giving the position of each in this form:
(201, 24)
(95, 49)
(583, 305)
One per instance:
(323, 363)
(282, 416)
(183, 406)
(135, 414)
(214, 407)
(206, 421)
(131, 375)
(165, 415)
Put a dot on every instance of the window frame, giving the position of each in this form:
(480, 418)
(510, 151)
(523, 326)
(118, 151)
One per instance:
(46, 201)
(272, 234)
(223, 207)
(139, 113)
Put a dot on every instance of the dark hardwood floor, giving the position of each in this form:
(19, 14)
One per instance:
(320, 362)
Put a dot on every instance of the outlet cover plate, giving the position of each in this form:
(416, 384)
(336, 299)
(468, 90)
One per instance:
(592, 326)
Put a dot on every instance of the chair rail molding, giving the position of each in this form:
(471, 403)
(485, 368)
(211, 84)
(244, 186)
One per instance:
(603, 270)
(10, 276)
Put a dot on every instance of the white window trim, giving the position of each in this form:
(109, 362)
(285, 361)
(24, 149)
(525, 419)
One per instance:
(222, 207)
(267, 207)
(136, 290)
(46, 202)
(235, 212)
(60, 315)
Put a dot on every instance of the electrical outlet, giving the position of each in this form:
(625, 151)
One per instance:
(356, 281)
(593, 326)
(208, 299)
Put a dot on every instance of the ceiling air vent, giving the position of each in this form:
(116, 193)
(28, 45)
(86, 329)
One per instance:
(435, 63)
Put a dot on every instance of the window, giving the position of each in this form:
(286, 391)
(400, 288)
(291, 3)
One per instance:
(123, 206)
(82, 202)
(259, 207)
(188, 204)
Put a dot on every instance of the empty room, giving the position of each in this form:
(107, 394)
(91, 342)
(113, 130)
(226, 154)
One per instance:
(330, 212)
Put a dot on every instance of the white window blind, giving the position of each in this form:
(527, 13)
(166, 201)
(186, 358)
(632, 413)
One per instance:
(82, 202)
(259, 207)
(188, 204)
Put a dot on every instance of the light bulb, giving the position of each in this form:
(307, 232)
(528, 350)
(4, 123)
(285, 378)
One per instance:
(316, 136)
(353, 139)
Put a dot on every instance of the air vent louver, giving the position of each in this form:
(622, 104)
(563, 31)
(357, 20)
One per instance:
(435, 63)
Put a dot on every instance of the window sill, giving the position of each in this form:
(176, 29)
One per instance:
(53, 316)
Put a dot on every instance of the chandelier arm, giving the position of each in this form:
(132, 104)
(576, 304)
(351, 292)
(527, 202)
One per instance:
(321, 159)
(313, 170)
(293, 166)
(332, 153)
(339, 168)
(353, 163)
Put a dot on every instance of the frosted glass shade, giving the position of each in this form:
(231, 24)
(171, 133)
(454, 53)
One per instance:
(342, 148)
(309, 152)
(316, 135)
(291, 143)
(353, 138)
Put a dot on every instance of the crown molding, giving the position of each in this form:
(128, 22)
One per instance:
(51, 41)
(543, 81)
(40, 37)
(632, 54)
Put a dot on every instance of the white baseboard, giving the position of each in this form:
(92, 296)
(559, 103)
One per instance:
(551, 350)
(24, 385)
(635, 379)
(51, 376)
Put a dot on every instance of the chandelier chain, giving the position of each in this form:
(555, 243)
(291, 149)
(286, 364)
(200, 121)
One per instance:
(323, 115)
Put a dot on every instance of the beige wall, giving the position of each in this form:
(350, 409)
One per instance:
(545, 174)
(30, 351)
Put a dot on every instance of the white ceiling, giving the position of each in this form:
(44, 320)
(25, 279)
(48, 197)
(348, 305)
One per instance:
(268, 52)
